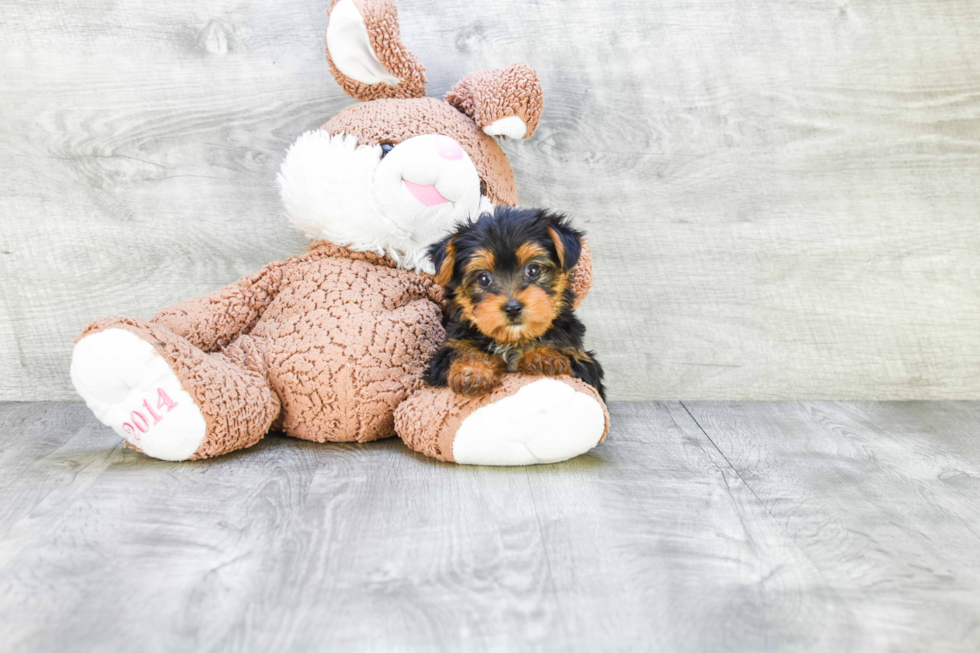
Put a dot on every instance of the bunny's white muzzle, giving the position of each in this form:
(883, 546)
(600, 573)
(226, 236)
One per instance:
(397, 203)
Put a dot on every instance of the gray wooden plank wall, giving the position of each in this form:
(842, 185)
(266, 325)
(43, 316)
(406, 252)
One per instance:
(782, 195)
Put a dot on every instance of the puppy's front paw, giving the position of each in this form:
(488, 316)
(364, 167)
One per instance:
(472, 378)
(546, 361)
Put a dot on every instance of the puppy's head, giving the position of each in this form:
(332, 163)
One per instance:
(508, 273)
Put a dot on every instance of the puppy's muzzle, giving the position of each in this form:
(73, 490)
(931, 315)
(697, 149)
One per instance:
(513, 309)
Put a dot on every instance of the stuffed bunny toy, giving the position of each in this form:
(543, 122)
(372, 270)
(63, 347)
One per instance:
(331, 345)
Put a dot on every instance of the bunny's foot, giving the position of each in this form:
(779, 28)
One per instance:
(133, 391)
(525, 421)
(168, 398)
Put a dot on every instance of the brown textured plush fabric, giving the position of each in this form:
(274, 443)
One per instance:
(381, 19)
(581, 280)
(215, 320)
(324, 346)
(428, 421)
(229, 387)
(327, 345)
(393, 121)
(491, 94)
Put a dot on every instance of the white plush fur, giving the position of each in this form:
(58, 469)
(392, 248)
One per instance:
(546, 421)
(115, 371)
(511, 127)
(350, 47)
(334, 189)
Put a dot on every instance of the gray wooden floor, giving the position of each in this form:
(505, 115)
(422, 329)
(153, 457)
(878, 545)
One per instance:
(696, 527)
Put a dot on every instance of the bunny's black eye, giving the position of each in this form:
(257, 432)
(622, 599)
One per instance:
(386, 148)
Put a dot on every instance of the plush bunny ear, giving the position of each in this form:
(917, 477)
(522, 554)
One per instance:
(366, 54)
(504, 103)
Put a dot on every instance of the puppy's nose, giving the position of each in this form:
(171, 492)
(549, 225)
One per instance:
(449, 149)
(513, 308)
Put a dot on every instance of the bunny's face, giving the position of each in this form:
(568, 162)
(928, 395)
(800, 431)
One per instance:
(395, 174)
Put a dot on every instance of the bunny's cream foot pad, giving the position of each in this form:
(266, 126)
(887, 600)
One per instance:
(546, 421)
(133, 391)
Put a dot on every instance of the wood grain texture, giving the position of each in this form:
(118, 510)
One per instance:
(747, 527)
(782, 196)
(882, 498)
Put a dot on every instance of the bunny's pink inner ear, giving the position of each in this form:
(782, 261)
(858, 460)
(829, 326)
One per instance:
(504, 103)
(365, 52)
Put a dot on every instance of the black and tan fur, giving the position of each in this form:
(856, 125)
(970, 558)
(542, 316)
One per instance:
(507, 280)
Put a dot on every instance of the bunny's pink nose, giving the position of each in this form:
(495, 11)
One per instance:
(449, 149)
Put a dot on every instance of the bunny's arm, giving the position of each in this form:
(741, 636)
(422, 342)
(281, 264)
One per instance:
(582, 274)
(216, 319)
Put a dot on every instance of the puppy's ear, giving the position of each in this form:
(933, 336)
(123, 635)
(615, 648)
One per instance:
(444, 259)
(567, 240)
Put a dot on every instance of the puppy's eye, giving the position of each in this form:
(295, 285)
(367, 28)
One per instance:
(483, 188)
(533, 271)
(386, 148)
(484, 280)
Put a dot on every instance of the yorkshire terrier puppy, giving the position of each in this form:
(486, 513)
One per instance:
(507, 281)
